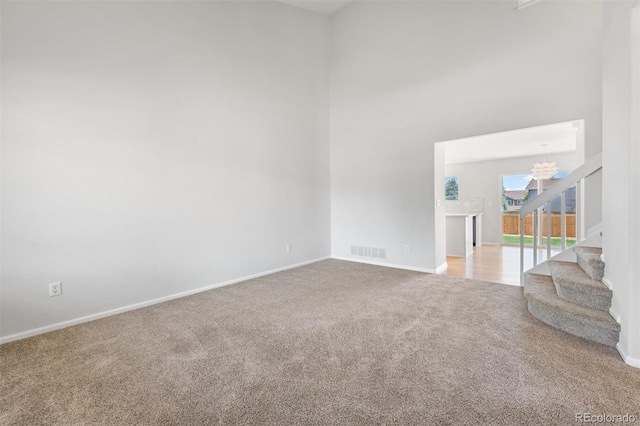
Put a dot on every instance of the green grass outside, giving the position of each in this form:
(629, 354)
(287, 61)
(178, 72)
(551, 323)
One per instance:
(515, 239)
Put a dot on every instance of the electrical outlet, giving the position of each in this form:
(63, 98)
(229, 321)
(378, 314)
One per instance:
(406, 249)
(55, 289)
(289, 248)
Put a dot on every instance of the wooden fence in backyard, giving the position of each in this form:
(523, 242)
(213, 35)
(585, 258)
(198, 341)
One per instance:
(511, 225)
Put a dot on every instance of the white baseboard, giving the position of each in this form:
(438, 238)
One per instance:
(388, 265)
(440, 269)
(92, 317)
(634, 362)
(614, 314)
(595, 229)
(491, 243)
(608, 283)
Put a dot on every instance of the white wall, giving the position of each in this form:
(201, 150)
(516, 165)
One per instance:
(621, 156)
(405, 75)
(484, 179)
(621, 227)
(615, 135)
(633, 325)
(151, 148)
(440, 225)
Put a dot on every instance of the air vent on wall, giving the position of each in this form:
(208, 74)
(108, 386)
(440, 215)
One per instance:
(372, 252)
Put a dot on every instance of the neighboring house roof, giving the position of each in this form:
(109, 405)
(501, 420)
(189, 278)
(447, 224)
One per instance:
(546, 184)
(516, 194)
(532, 188)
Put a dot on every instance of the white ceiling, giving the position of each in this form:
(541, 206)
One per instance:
(323, 7)
(559, 138)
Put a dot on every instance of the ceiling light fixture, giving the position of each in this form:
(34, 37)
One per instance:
(544, 170)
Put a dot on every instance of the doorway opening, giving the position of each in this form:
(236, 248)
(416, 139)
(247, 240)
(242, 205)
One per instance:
(472, 177)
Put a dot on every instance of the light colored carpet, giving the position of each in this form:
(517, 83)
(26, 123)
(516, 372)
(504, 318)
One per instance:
(589, 260)
(330, 343)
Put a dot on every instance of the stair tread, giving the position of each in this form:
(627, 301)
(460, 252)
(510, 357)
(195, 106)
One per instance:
(589, 252)
(542, 289)
(589, 259)
(570, 273)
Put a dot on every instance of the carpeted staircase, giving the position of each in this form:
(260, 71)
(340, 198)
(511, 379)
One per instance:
(573, 298)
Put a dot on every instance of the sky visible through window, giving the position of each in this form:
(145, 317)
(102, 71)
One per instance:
(515, 182)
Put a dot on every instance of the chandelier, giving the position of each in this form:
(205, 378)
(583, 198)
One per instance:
(544, 170)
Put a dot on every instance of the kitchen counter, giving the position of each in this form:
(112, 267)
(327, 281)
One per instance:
(461, 233)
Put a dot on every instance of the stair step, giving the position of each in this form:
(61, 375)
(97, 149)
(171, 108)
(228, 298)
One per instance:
(589, 260)
(574, 285)
(545, 304)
